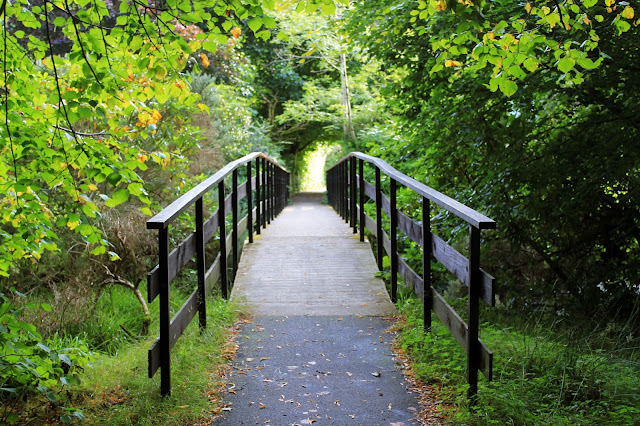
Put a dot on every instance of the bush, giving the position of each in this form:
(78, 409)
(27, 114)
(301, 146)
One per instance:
(29, 367)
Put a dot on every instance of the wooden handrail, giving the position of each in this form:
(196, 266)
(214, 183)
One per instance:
(173, 210)
(344, 184)
(469, 215)
(271, 182)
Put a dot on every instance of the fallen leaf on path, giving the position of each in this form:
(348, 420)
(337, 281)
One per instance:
(376, 374)
(262, 406)
(264, 358)
(349, 374)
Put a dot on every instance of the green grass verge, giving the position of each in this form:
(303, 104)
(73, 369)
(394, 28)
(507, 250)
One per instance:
(542, 375)
(117, 390)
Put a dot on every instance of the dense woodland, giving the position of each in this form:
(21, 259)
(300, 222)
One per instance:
(528, 112)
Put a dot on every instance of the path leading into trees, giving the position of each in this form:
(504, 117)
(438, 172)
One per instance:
(317, 350)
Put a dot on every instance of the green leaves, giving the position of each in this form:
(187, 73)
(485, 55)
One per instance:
(118, 197)
(31, 365)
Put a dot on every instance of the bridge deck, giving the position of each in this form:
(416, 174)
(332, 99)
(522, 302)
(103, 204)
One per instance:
(309, 262)
(317, 350)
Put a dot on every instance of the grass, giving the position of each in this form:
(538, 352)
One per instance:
(117, 390)
(544, 373)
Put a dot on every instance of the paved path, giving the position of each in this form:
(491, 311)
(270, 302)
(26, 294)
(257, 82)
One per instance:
(317, 351)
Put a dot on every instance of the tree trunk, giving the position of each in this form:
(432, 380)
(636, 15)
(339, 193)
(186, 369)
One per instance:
(348, 130)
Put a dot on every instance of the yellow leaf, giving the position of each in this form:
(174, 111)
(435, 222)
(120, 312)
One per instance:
(73, 225)
(92, 187)
(205, 60)
(451, 63)
(528, 7)
(628, 12)
(441, 5)
(236, 32)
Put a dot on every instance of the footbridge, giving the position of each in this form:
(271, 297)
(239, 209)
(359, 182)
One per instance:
(309, 268)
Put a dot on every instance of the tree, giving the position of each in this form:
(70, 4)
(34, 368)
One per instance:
(79, 122)
(554, 162)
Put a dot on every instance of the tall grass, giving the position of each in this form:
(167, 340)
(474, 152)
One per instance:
(117, 391)
(544, 373)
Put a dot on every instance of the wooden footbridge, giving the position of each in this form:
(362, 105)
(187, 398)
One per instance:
(310, 261)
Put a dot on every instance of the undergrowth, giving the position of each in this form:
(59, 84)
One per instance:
(543, 373)
(118, 391)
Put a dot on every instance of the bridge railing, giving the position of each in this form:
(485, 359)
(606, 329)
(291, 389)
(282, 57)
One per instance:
(266, 190)
(347, 192)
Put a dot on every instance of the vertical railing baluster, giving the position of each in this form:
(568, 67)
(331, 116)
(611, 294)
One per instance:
(379, 241)
(222, 217)
(234, 223)
(352, 175)
(201, 264)
(473, 347)
(249, 202)
(347, 210)
(165, 314)
(258, 196)
(394, 241)
(265, 212)
(269, 190)
(362, 194)
(339, 192)
(427, 298)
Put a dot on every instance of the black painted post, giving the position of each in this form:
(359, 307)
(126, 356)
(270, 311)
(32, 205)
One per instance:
(353, 184)
(258, 196)
(223, 241)
(165, 319)
(234, 223)
(362, 219)
(379, 242)
(340, 194)
(473, 354)
(269, 190)
(427, 298)
(249, 203)
(394, 241)
(347, 202)
(265, 212)
(200, 264)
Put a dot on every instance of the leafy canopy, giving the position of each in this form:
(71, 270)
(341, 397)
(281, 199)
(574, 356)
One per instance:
(86, 89)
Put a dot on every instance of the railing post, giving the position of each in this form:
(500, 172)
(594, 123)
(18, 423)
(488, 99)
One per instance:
(223, 240)
(258, 196)
(269, 190)
(427, 298)
(380, 243)
(352, 175)
(345, 191)
(234, 224)
(200, 264)
(165, 318)
(362, 219)
(394, 241)
(473, 313)
(249, 203)
(265, 211)
(347, 201)
(339, 193)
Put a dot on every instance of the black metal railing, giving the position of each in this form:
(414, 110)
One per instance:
(266, 187)
(347, 190)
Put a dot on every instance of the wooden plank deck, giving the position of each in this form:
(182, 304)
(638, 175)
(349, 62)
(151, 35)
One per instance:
(309, 262)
